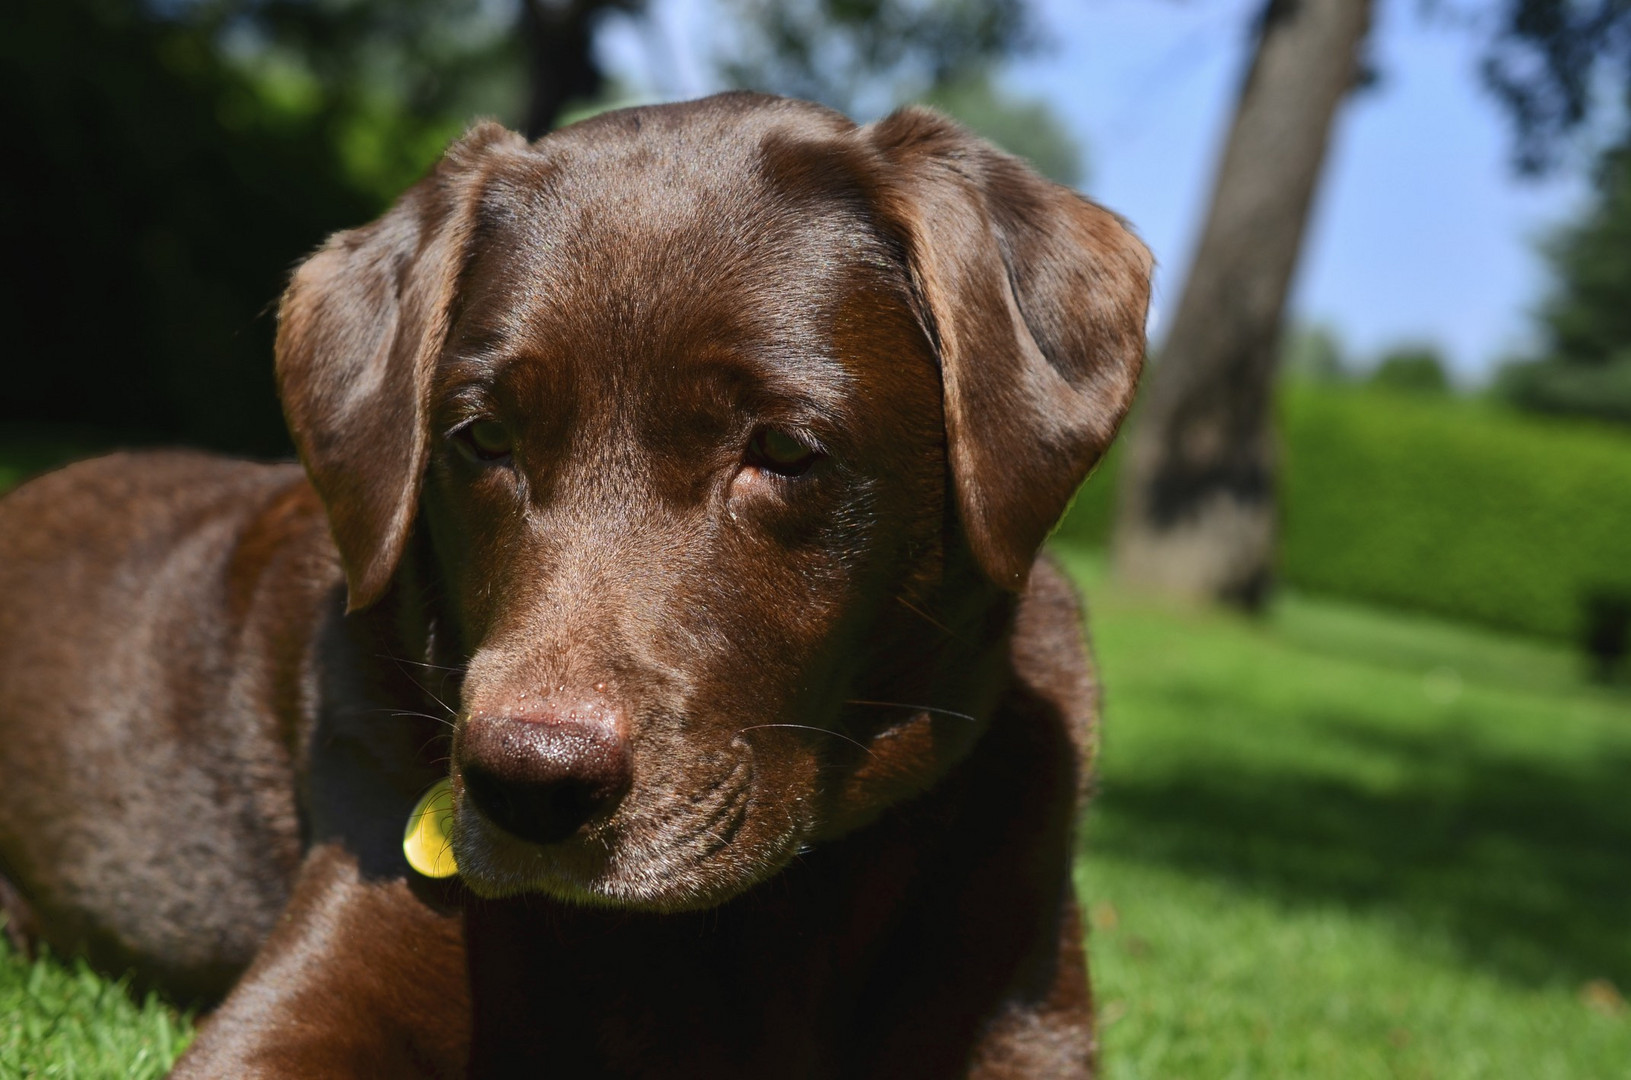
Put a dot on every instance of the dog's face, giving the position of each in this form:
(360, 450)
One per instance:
(730, 426)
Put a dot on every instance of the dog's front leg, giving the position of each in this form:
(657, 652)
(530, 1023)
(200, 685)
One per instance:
(360, 978)
(1047, 1035)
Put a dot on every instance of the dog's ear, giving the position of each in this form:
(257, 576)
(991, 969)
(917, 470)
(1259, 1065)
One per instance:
(359, 330)
(1035, 299)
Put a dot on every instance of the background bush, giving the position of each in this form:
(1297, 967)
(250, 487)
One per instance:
(1454, 507)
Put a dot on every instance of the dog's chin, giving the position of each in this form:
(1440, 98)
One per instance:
(607, 871)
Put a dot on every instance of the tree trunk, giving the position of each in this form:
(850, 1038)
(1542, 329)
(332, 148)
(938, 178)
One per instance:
(561, 66)
(1197, 509)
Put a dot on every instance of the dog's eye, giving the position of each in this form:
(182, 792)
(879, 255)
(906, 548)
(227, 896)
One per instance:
(778, 452)
(485, 440)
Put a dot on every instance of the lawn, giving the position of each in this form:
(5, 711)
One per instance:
(1349, 843)
(1338, 842)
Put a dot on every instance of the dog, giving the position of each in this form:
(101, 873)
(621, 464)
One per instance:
(671, 492)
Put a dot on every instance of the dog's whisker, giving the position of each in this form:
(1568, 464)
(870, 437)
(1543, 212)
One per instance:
(451, 711)
(917, 708)
(402, 665)
(450, 724)
(418, 663)
(444, 721)
(809, 727)
(930, 619)
(428, 742)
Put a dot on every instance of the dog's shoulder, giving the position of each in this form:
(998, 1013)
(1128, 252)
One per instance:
(118, 522)
(128, 487)
(1052, 655)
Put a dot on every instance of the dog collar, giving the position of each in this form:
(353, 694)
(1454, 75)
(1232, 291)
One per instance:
(428, 839)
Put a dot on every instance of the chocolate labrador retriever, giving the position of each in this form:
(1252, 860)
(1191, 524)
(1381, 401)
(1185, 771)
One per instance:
(672, 489)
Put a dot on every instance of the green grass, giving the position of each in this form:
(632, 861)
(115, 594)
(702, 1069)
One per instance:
(1339, 842)
(63, 1021)
(1343, 843)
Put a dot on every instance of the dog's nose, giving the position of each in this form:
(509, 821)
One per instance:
(544, 777)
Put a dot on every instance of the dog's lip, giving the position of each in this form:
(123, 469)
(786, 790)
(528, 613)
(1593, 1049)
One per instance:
(734, 804)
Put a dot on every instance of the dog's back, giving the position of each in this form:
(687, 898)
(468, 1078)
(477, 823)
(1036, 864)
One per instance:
(146, 817)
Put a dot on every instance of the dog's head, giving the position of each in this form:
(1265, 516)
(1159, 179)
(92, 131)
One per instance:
(733, 429)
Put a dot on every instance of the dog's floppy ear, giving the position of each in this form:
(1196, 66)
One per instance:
(1035, 299)
(359, 331)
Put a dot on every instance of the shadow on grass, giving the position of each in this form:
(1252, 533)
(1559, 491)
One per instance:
(1526, 867)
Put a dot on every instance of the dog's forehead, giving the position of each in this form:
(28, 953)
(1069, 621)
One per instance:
(703, 238)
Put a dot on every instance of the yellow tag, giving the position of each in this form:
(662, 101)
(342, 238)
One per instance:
(428, 839)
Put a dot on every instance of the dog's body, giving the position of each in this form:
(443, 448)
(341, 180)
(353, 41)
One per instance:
(682, 475)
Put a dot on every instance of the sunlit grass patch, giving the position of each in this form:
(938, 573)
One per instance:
(1347, 843)
(64, 1021)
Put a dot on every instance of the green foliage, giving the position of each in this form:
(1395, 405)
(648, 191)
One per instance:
(1551, 64)
(862, 57)
(392, 82)
(1091, 516)
(1341, 843)
(1444, 506)
(1599, 391)
(63, 1021)
(180, 157)
(1312, 352)
(1585, 369)
(1454, 508)
(1588, 320)
(1416, 369)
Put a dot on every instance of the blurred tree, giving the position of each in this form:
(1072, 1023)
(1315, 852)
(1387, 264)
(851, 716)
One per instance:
(1024, 127)
(1584, 368)
(862, 57)
(182, 154)
(1196, 513)
(561, 63)
(392, 81)
(1600, 391)
(1552, 64)
(171, 162)
(1418, 369)
(1312, 352)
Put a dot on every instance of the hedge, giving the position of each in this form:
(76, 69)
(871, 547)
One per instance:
(1448, 506)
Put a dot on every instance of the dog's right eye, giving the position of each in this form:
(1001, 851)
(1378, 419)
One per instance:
(780, 453)
(484, 440)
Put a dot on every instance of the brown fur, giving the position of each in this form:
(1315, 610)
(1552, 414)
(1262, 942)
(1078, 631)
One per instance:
(798, 740)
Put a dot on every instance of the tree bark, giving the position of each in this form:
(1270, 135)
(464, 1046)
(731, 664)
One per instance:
(1197, 509)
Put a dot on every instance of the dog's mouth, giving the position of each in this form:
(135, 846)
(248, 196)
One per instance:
(659, 850)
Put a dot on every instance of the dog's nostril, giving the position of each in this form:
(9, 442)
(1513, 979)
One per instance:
(487, 791)
(543, 780)
(542, 813)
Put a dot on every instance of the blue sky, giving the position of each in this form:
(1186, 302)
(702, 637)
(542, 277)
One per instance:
(1421, 232)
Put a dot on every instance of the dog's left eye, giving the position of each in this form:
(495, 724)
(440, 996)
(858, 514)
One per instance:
(485, 440)
(780, 453)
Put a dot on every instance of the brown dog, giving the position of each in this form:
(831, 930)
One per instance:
(674, 483)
